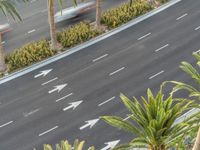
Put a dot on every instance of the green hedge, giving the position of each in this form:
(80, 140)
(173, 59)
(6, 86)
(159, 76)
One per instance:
(124, 13)
(76, 34)
(28, 54)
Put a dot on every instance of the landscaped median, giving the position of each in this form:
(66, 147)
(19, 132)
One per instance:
(76, 34)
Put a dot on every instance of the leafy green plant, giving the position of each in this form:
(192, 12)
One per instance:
(76, 34)
(125, 12)
(28, 54)
(153, 121)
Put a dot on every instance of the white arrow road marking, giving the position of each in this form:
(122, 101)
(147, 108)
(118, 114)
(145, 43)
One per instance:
(64, 97)
(89, 123)
(110, 145)
(57, 88)
(72, 105)
(48, 131)
(110, 99)
(3, 125)
(43, 73)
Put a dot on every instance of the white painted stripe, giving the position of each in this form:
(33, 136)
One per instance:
(88, 43)
(99, 58)
(31, 31)
(197, 51)
(181, 16)
(31, 112)
(144, 36)
(116, 71)
(3, 42)
(197, 28)
(156, 74)
(64, 97)
(127, 118)
(50, 81)
(110, 99)
(161, 48)
(48, 131)
(3, 125)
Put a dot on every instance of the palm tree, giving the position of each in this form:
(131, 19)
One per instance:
(52, 25)
(7, 8)
(194, 91)
(154, 121)
(98, 14)
(64, 145)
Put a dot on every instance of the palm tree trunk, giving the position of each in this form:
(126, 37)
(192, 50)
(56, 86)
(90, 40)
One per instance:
(2, 56)
(98, 13)
(197, 142)
(50, 4)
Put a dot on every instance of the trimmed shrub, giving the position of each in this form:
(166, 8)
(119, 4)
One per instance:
(28, 54)
(163, 1)
(124, 13)
(76, 34)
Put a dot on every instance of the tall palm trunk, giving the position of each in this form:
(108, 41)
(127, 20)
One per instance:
(52, 25)
(197, 142)
(2, 56)
(98, 13)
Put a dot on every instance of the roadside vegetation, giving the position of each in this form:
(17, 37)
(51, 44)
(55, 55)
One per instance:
(73, 35)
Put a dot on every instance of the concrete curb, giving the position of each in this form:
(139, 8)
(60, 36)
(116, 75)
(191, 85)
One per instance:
(86, 44)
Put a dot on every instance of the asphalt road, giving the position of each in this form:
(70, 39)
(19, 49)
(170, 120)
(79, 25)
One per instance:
(35, 23)
(140, 57)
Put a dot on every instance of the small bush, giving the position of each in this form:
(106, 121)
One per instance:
(28, 54)
(163, 1)
(124, 13)
(76, 34)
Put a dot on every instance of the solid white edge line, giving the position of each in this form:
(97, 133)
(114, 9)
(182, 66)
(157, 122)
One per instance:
(64, 97)
(144, 36)
(110, 99)
(156, 74)
(161, 47)
(88, 43)
(45, 132)
(3, 125)
(50, 81)
(31, 31)
(100, 57)
(110, 74)
(181, 16)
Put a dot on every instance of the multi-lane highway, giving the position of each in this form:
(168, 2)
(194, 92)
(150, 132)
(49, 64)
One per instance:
(35, 22)
(33, 112)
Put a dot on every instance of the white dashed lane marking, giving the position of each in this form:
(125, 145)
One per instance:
(156, 74)
(161, 47)
(99, 58)
(116, 71)
(45, 132)
(3, 125)
(50, 81)
(110, 99)
(64, 97)
(181, 16)
(142, 37)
